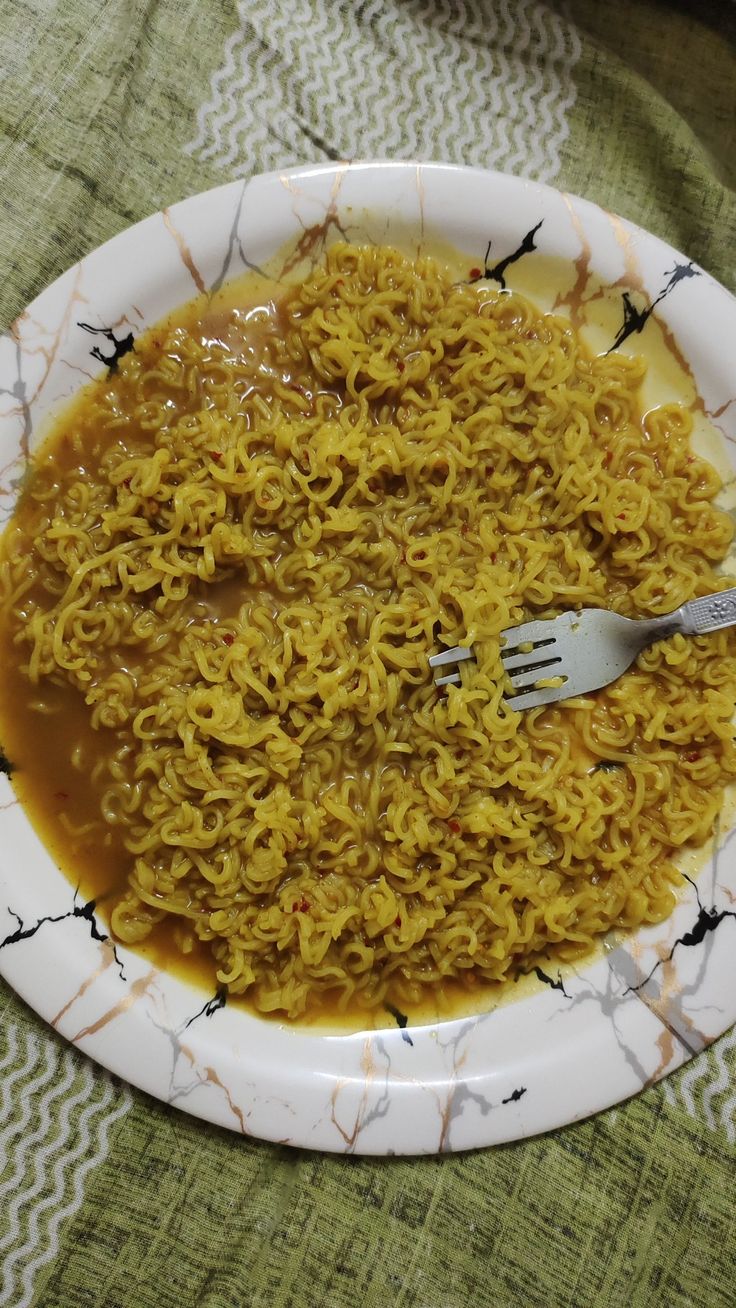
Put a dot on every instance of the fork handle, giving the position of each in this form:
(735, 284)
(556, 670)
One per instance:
(710, 613)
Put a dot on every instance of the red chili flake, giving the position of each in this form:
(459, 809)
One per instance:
(215, 454)
(475, 273)
(621, 517)
(493, 558)
(61, 794)
(400, 366)
(607, 457)
(454, 826)
(340, 282)
(302, 906)
(420, 554)
(693, 756)
(127, 481)
(397, 921)
(464, 529)
(228, 638)
(691, 458)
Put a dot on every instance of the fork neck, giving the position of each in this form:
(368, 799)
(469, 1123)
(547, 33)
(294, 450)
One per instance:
(660, 628)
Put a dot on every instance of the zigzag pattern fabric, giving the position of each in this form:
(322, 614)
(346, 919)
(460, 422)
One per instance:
(705, 1088)
(310, 77)
(56, 1111)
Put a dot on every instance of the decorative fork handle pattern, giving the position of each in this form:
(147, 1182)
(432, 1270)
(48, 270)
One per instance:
(709, 613)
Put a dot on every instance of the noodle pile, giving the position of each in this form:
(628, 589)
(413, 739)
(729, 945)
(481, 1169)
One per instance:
(242, 564)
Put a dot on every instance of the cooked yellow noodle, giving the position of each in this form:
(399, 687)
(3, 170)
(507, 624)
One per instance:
(270, 538)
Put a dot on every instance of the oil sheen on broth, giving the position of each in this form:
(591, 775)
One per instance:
(221, 586)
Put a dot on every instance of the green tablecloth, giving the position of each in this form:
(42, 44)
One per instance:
(107, 112)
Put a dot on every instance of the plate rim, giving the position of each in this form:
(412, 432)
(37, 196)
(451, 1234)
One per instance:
(374, 1111)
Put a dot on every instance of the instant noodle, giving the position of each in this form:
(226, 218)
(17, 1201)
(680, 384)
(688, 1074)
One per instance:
(237, 553)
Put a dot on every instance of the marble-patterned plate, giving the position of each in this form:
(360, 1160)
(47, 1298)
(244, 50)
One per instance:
(582, 1041)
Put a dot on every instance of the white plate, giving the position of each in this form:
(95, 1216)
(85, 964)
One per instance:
(549, 1058)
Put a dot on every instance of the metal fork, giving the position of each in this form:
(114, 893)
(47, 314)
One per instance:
(582, 650)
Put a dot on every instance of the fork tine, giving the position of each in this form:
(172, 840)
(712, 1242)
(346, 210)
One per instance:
(453, 679)
(454, 655)
(528, 633)
(540, 657)
(532, 698)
